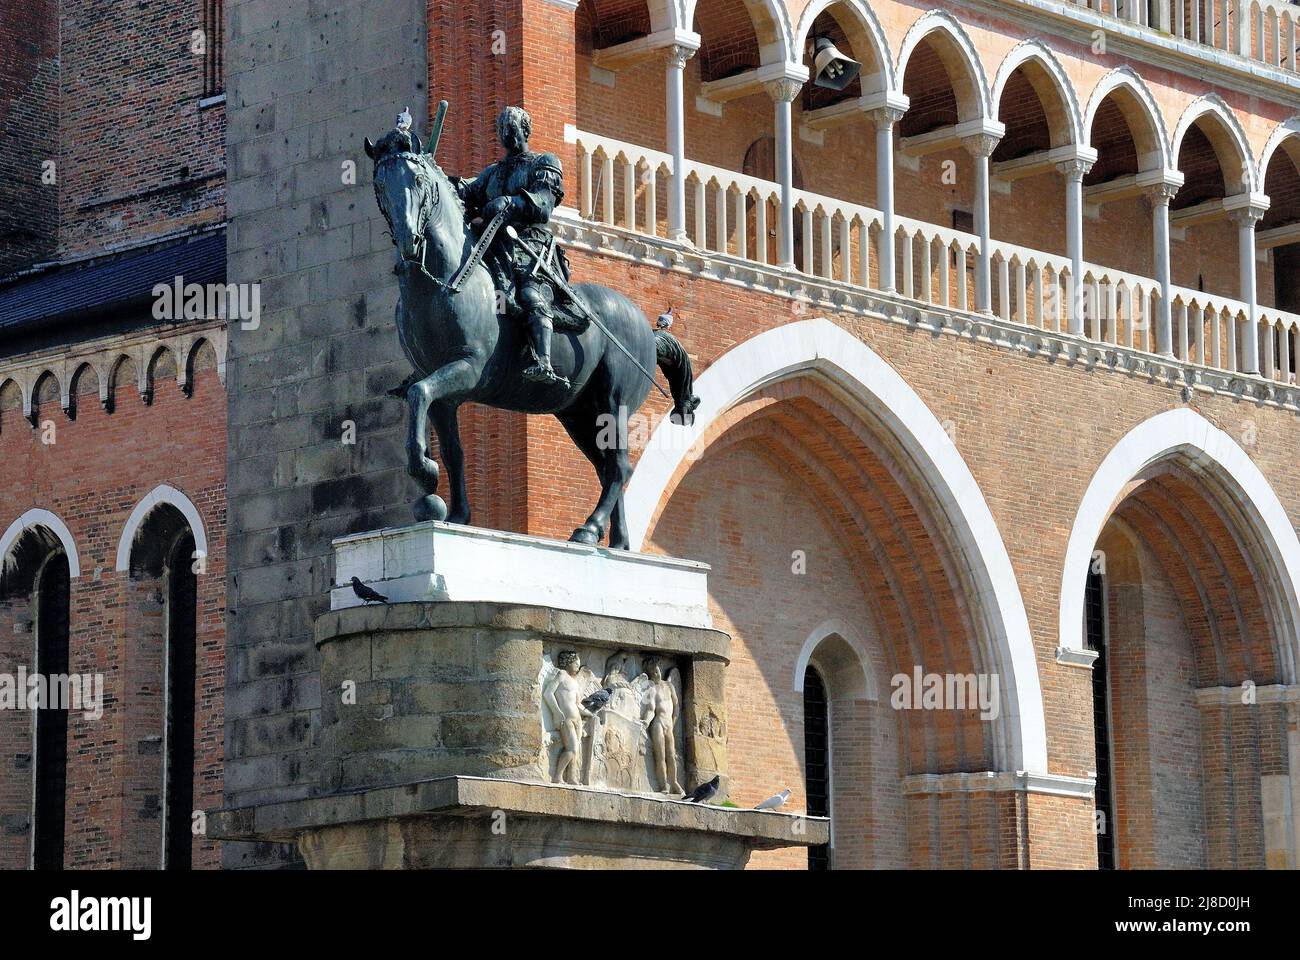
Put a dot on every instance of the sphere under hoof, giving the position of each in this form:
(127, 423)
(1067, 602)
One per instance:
(432, 507)
(585, 535)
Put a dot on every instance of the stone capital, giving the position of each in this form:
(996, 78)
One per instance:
(1246, 209)
(783, 89)
(885, 117)
(1075, 168)
(981, 145)
(1159, 194)
(678, 54)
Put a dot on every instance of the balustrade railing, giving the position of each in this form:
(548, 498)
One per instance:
(730, 214)
(1264, 30)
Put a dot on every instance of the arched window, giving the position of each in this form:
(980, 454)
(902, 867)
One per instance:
(158, 549)
(51, 738)
(817, 759)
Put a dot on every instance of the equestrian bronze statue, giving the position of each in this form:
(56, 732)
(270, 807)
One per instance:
(487, 315)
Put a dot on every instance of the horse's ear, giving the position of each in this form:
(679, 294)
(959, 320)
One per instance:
(416, 147)
(370, 149)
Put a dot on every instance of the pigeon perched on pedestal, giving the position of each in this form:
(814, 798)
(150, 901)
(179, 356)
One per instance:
(598, 700)
(704, 792)
(365, 593)
(771, 803)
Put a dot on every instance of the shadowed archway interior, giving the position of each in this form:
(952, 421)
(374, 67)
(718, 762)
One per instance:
(835, 522)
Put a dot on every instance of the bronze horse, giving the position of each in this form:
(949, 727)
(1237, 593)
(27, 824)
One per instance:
(463, 349)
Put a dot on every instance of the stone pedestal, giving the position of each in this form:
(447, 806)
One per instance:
(440, 746)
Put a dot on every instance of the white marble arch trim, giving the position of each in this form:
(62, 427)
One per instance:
(819, 345)
(37, 517)
(1181, 431)
(160, 494)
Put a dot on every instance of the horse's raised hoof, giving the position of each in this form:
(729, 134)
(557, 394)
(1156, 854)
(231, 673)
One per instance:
(585, 534)
(432, 507)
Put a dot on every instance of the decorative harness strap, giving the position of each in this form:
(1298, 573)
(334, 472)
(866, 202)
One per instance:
(480, 248)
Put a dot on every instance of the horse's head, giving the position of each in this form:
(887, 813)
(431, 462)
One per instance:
(410, 191)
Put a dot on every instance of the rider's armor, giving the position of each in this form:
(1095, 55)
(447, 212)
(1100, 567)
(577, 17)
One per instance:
(534, 182)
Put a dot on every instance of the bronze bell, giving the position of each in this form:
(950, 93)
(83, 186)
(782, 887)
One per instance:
(831, 69)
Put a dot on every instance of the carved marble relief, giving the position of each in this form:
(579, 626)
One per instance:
(613, 720)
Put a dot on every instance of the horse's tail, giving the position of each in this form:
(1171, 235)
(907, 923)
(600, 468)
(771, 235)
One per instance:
(676, 365)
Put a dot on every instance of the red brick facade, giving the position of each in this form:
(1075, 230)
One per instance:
(112, 424)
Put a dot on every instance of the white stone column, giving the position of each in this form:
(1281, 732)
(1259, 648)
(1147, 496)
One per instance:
(981, 147)
(884, 119)
(1159, 196)
(1074, 172)
(783, 92)
(676, 69)
(1245, 219)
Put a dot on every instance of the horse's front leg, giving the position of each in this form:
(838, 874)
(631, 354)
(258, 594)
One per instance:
(456, 377)
(447, 427)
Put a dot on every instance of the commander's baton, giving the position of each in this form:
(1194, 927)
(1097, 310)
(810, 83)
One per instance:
(555, 278)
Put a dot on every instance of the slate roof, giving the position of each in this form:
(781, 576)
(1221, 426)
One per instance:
(99, 285)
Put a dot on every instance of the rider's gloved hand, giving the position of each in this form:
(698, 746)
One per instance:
(496, 206)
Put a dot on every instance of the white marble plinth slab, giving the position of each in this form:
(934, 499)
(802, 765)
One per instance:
(444, 561)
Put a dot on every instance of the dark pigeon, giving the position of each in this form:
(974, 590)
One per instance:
(365, 593)
(598, 700)
(704, 792)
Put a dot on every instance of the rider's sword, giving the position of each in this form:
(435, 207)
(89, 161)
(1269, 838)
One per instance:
(553, 275)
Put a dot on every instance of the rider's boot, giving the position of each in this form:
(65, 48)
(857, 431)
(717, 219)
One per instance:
(539, 336)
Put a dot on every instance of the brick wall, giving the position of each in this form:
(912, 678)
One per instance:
(29, 98)
(99, 467)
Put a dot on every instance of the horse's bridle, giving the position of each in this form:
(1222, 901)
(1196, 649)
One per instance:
(430, 200)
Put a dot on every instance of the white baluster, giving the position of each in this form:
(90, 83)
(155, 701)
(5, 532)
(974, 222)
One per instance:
(1182, 330)
(828, 267)
(808, 241)
(629, 193)
(907, 263)
(1094, 309)
(584, 183)
(927, 289)
(742, 241)
(945, 292)
(1004, 288)
(1232, 342)
(864, 253)
(1295, 355)
(1216, 333)
(963, 302)
(846, 252)
(651, 202)
(1021, 305)
(701, 215)
(760, 229)
(720, 218)
(1268, 369)
(607, 189)
(1036, 278)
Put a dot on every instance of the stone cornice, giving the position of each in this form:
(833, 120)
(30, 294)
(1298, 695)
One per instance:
(1233, 696)
(818, 293)
(1070, 21)
(102, 354)
(989, 781)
